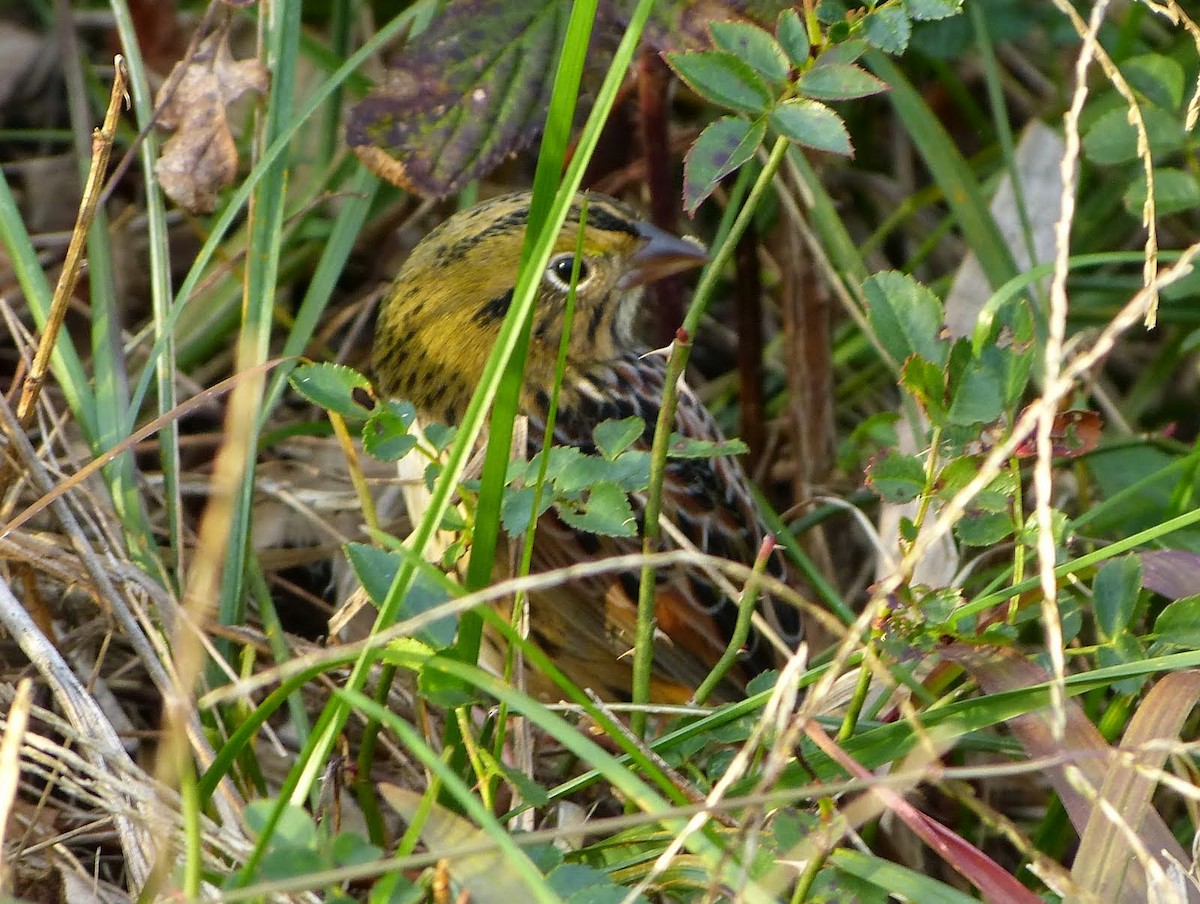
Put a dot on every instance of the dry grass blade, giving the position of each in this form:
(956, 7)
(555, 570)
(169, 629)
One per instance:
(10, 765)
(999, 670)
(1104, 854)
(102, 142)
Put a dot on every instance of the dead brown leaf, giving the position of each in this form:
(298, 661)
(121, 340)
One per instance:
(201, 157)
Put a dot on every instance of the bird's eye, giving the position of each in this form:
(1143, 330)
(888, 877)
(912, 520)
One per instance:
(558, 274)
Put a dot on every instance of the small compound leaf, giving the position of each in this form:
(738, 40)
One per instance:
(839, 81)
(813, 125)
(471, 90)
(888, 29)
(376, 570)
(931, 10)
(723, 79)
(569, 878)
(927, 383)
(385, 434)
(905, 317)
(1123, 649)
(983, 528)
(614, 437)
(793, 37)
(845, 52)
(516, 511)
(607, 511)
(1175, 191)
(896, 477)
(1158, 77)
(688, 447)
(722, 147)
(1113, 140)
(1115, 594)
(976, 383)
(754, 45)
(1179, 624)
(333, 387)
(831, 12)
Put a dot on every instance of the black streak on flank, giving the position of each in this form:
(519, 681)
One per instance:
(495, 309)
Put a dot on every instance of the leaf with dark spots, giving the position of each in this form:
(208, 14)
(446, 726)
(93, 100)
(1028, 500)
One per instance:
(722, 147)
(461, 97)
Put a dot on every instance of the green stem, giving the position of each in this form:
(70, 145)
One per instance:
(741, 630)
(643, 655)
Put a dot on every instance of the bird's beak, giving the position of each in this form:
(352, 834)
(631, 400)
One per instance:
(661, 254)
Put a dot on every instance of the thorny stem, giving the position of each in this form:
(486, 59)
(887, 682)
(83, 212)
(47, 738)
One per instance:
(643, 655)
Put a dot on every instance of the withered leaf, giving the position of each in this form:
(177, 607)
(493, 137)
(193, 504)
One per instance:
(474, 87)
(470, 90)
(1074, 433)
(201, 157)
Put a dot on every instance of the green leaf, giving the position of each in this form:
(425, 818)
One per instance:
(334, 387)
(813, 125)
(516, 512)
(724, 146)
(572, 877)
(686, 447)
(931, 10)
(629, 470)
(606, 511)
(793, 36)
(839, 81)
(984, 528)
(1112, 139)
(888, 29)
(905, 317)
(440, 436)
(845, 52)
(1175, 191)
(897, 477)
(927, 383)
(349, 849)
(1123, 649)
(723, 79)
(830, 12)
(1179, 624)
(753, 45)
(376, 570)
(580, 472)
(976, 384)
(1115, 594)
(614, 437)
(463, 97)
(385, 435)
(1158, 77)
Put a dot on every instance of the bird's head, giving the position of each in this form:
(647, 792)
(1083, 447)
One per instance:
(442, 315)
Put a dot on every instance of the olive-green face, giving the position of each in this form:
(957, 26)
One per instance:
(440, 320)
